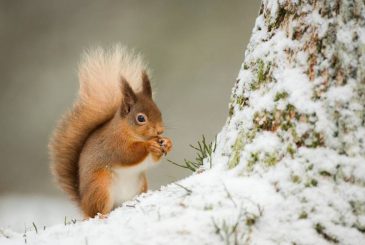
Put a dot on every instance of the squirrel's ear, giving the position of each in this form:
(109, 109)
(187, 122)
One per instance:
(129, 97)
(146, 85)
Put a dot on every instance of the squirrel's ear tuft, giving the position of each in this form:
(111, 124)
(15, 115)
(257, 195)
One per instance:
(129, 97)
(146, 85)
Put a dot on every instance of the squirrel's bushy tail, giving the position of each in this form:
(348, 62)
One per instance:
(99, 97)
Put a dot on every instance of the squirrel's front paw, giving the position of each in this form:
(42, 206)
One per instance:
(154, 147)
(166, 144)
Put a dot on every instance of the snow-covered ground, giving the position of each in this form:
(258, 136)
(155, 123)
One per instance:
(19, 212)
(190, 212)
(213, 207)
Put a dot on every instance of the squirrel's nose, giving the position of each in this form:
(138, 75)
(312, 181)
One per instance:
(160, 130)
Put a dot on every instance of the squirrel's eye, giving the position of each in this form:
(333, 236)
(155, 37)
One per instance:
(141, 118)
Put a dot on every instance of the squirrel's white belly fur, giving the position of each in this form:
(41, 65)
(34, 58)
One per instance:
(127, 181)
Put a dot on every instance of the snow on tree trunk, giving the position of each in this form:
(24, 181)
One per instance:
(297, 117)
(289, 165)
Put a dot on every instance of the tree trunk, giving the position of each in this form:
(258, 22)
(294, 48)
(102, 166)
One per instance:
(297, 115)
(289, 165)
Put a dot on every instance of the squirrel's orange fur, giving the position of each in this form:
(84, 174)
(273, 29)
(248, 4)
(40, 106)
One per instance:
(100, 148)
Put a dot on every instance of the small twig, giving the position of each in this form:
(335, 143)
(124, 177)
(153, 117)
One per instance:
(229, 195)
(25, 236)
(185, 188)
(259, 208)
(35, 228)
(217, 228)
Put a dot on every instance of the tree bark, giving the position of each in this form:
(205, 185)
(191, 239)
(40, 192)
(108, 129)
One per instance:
(297, 113)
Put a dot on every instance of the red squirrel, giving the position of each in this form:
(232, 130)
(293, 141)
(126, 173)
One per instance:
(102, 147)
